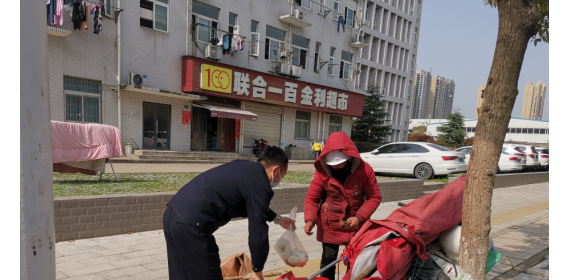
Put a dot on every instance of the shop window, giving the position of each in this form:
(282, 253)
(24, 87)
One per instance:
(274, 42)
(82, 99)
(207, 18)
(154, 14)
(254, 50)
(302, 125)
(345, 62)
(300, 49)
(335, 124)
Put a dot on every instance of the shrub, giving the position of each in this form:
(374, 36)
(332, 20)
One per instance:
(468, 141)
(420, 137)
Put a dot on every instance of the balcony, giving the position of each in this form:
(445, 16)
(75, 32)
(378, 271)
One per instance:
(295, 19)
(359, 44)
(57, 31)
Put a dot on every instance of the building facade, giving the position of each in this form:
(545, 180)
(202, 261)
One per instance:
(441, 94)
(291, 73)
(479, 99)
(420, 97)
(533, 102)
(519, 130)
(390, 34)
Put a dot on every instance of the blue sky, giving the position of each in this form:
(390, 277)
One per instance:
(457, 41)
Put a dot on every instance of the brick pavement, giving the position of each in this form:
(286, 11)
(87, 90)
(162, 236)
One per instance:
(143, 255)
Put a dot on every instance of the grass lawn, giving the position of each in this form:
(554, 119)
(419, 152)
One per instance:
(65, 184)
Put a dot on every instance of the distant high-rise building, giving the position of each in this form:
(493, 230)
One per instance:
(441, 95)
(420, 96)
(479, 100)
(533, 102)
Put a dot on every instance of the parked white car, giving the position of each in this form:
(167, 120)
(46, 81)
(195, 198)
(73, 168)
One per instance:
(420, 159)
(507, 162)
(543, 157)
(532, 162)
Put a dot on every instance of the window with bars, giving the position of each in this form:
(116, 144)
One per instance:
(302, 125)
(335, 124)
(82, 99)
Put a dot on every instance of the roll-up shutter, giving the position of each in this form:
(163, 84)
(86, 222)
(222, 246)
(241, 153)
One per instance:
(267, 126)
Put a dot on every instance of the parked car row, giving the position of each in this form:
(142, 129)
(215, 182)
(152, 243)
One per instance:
(425, 160)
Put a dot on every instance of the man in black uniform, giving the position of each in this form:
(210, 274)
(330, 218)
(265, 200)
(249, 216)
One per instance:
(211, 200)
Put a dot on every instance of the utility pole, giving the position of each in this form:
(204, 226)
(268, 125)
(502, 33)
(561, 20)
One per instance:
(37, 231)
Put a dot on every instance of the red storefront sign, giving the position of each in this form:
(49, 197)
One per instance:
(186, 117)
(237, 130)
(257, 86)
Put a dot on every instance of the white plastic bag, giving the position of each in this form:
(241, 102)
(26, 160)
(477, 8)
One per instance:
(289, 247)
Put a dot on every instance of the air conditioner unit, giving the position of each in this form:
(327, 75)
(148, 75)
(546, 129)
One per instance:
(283, 54)
(137, 79)
(236, 30)
(299, 15)
(296, 71)
(285, 69)
(214, 52)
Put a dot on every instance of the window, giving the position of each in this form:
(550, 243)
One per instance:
(82, 99)
(302, 125)
(542, 131)
(321, 5)
(388, 149)
(335, 9)
(304, 3)
(345, 62)
(207, 17)
(254, 51)
(409, 149)
(108, 8)
(300, 48)
(438, 147)
(422, 150)
(335, 124)
(154, 14)
(331, 61)
(317, 56)
(233, 23)
(349, 14)
(524, 130)
(274, 42)
(519, 130)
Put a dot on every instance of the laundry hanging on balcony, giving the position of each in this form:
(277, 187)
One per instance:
(55, 12)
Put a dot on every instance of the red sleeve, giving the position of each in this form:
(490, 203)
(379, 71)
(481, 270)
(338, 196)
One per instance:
(372, 194)
(314, 196)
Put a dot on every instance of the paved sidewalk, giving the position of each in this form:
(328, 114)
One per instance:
(520, 230)
(180, 167)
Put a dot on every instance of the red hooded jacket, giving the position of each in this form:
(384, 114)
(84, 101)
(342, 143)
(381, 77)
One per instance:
(328, 201)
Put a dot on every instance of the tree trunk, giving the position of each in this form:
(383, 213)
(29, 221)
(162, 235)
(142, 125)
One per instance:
(518, 22)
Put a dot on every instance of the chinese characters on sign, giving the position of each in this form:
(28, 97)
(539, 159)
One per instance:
(317, 97)
(186, 116)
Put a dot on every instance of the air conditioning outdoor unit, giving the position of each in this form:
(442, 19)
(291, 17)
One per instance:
(296, 71)
(285, 69)
(214, 52)
(283, 54)
(137, 79)
(299, 15)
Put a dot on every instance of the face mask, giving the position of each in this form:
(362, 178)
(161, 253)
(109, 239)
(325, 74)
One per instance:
(273, 184)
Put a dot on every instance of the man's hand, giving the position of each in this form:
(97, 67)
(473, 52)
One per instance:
(284, 222)
(258, 276)
(309, 228)
(354, 223)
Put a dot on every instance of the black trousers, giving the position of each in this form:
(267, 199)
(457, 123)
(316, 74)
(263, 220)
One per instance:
(330, 254)
(191, 254)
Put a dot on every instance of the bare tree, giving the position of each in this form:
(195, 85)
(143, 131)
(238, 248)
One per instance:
(519, 21)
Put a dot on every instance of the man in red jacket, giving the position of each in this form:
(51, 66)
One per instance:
(344, 189)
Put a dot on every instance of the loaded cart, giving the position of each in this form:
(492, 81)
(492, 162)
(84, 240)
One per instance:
(84, 148)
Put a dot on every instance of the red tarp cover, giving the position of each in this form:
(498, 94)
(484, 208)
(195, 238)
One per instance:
(418, 223)
(74, 142)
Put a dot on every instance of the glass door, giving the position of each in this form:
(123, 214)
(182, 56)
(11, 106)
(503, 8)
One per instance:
(156, 126)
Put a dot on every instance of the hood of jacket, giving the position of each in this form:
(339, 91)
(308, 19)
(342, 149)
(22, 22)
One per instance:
(338, 141)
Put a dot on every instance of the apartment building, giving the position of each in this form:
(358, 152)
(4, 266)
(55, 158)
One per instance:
(155, 70)
(420, 96)
(390, 33)
(533, 102)
(441, 95)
